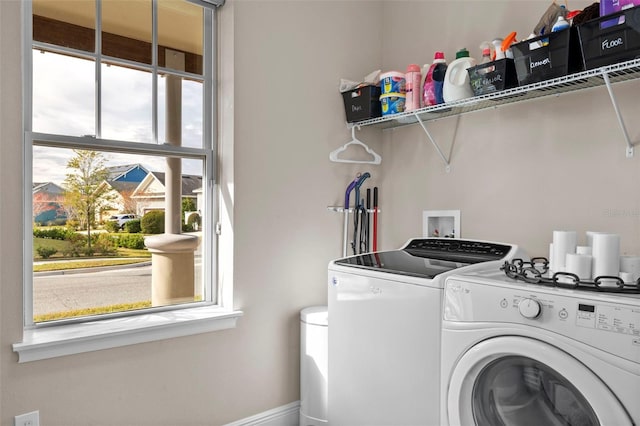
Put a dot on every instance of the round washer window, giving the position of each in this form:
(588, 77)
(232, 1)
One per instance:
(519, 391)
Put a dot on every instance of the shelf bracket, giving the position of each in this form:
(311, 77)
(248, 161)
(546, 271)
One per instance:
(630, 147)
(433, 142)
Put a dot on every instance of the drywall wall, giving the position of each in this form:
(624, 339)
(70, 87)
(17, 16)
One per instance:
(517, 173)
(287, 117)
(520, 171)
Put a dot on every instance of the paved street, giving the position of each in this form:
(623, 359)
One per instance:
(59, 292)
(55, 293)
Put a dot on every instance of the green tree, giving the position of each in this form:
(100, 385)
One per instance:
(188, 205)
(83, 192)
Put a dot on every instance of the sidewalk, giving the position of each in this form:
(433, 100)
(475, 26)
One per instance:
(88, 268)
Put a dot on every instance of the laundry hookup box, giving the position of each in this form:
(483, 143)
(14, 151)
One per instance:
(362, 103)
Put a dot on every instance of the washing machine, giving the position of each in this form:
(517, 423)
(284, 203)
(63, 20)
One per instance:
(385, 310)
(516, 353)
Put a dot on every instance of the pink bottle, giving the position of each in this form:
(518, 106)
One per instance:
(434, 81)
(412, 84)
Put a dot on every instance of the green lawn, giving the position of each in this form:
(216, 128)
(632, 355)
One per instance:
(90, 263)
(130, 255)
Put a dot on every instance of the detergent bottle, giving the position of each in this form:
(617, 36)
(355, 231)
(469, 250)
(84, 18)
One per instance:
(434, 80)
(560, 24)
(456, 81)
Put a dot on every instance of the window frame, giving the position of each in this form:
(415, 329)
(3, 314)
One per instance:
(46, 340)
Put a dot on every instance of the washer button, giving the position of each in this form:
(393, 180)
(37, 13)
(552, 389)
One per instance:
(504, 303)
(563, 314)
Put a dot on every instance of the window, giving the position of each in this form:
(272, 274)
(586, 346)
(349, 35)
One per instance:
(120, 148)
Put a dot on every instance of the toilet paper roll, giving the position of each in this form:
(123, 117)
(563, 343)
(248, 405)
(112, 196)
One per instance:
(584, 250)
(631, 265)
(627, 277)
(563, 242)
(606, 255)
(579, 264)
(590, 235)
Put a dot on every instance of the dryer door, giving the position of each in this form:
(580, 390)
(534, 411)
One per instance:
(517, 381)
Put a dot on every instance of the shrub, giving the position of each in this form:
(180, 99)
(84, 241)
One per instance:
(111, 226)
(72, 224)
(57, 233)
(194, 220)
(186, 227)
(46, 252)
(131, 241)
(133, 226)
(153, 222)
(77, 245)
(105, 244)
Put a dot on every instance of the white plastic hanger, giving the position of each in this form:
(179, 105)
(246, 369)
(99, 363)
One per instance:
(333, 156)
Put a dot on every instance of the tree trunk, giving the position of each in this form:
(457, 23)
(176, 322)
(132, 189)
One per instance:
(89, 233)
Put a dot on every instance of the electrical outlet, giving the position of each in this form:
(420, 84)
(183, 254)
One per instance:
(28, 419)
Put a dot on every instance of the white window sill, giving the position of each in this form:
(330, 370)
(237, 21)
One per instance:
(50, 342)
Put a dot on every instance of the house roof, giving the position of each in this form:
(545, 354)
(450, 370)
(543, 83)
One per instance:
(123, 186)
(49, 187)
(189, 182)
(116, 172)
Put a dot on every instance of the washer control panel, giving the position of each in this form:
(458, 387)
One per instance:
(609, 322)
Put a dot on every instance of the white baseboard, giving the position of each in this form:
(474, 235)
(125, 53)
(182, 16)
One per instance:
(286, 415)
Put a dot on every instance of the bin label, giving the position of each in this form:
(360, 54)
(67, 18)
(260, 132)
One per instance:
(612, 43)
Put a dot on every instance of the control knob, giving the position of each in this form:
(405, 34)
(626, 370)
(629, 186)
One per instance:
(529, 308)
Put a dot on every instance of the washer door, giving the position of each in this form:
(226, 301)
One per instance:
(517, 381)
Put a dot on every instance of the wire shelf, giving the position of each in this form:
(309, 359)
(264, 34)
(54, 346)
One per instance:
(616, 73)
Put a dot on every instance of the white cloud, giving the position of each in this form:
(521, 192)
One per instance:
(64, 103)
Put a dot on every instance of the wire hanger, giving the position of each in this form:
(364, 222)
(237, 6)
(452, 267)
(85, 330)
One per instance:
(333, 156)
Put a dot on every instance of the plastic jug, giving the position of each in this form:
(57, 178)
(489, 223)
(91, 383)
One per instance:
(456, 80)
(434, 80)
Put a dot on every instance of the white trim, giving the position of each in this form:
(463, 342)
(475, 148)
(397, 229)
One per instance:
(55, 341)
(285, 415)
(208, 4)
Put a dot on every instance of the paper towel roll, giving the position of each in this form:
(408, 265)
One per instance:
(606, 254)
(579, 264)
(631, 265)
(563, 242)
(584, 250)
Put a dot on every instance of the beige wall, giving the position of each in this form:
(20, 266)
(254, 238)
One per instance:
(518, 172)
(288, 117)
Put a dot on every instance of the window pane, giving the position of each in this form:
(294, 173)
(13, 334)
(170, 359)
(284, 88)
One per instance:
(65, 23)
(191, 114)
(63, 94)
(180, 35)
(126, 104)
(126, 29)
(118, 272)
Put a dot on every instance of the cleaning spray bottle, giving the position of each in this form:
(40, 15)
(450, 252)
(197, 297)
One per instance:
(485, 48)
(456, 81)
(434, 80)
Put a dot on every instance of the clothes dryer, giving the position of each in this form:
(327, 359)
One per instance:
(384, 339)
(516, 354)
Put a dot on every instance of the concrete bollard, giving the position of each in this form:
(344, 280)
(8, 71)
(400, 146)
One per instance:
(172, 268)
